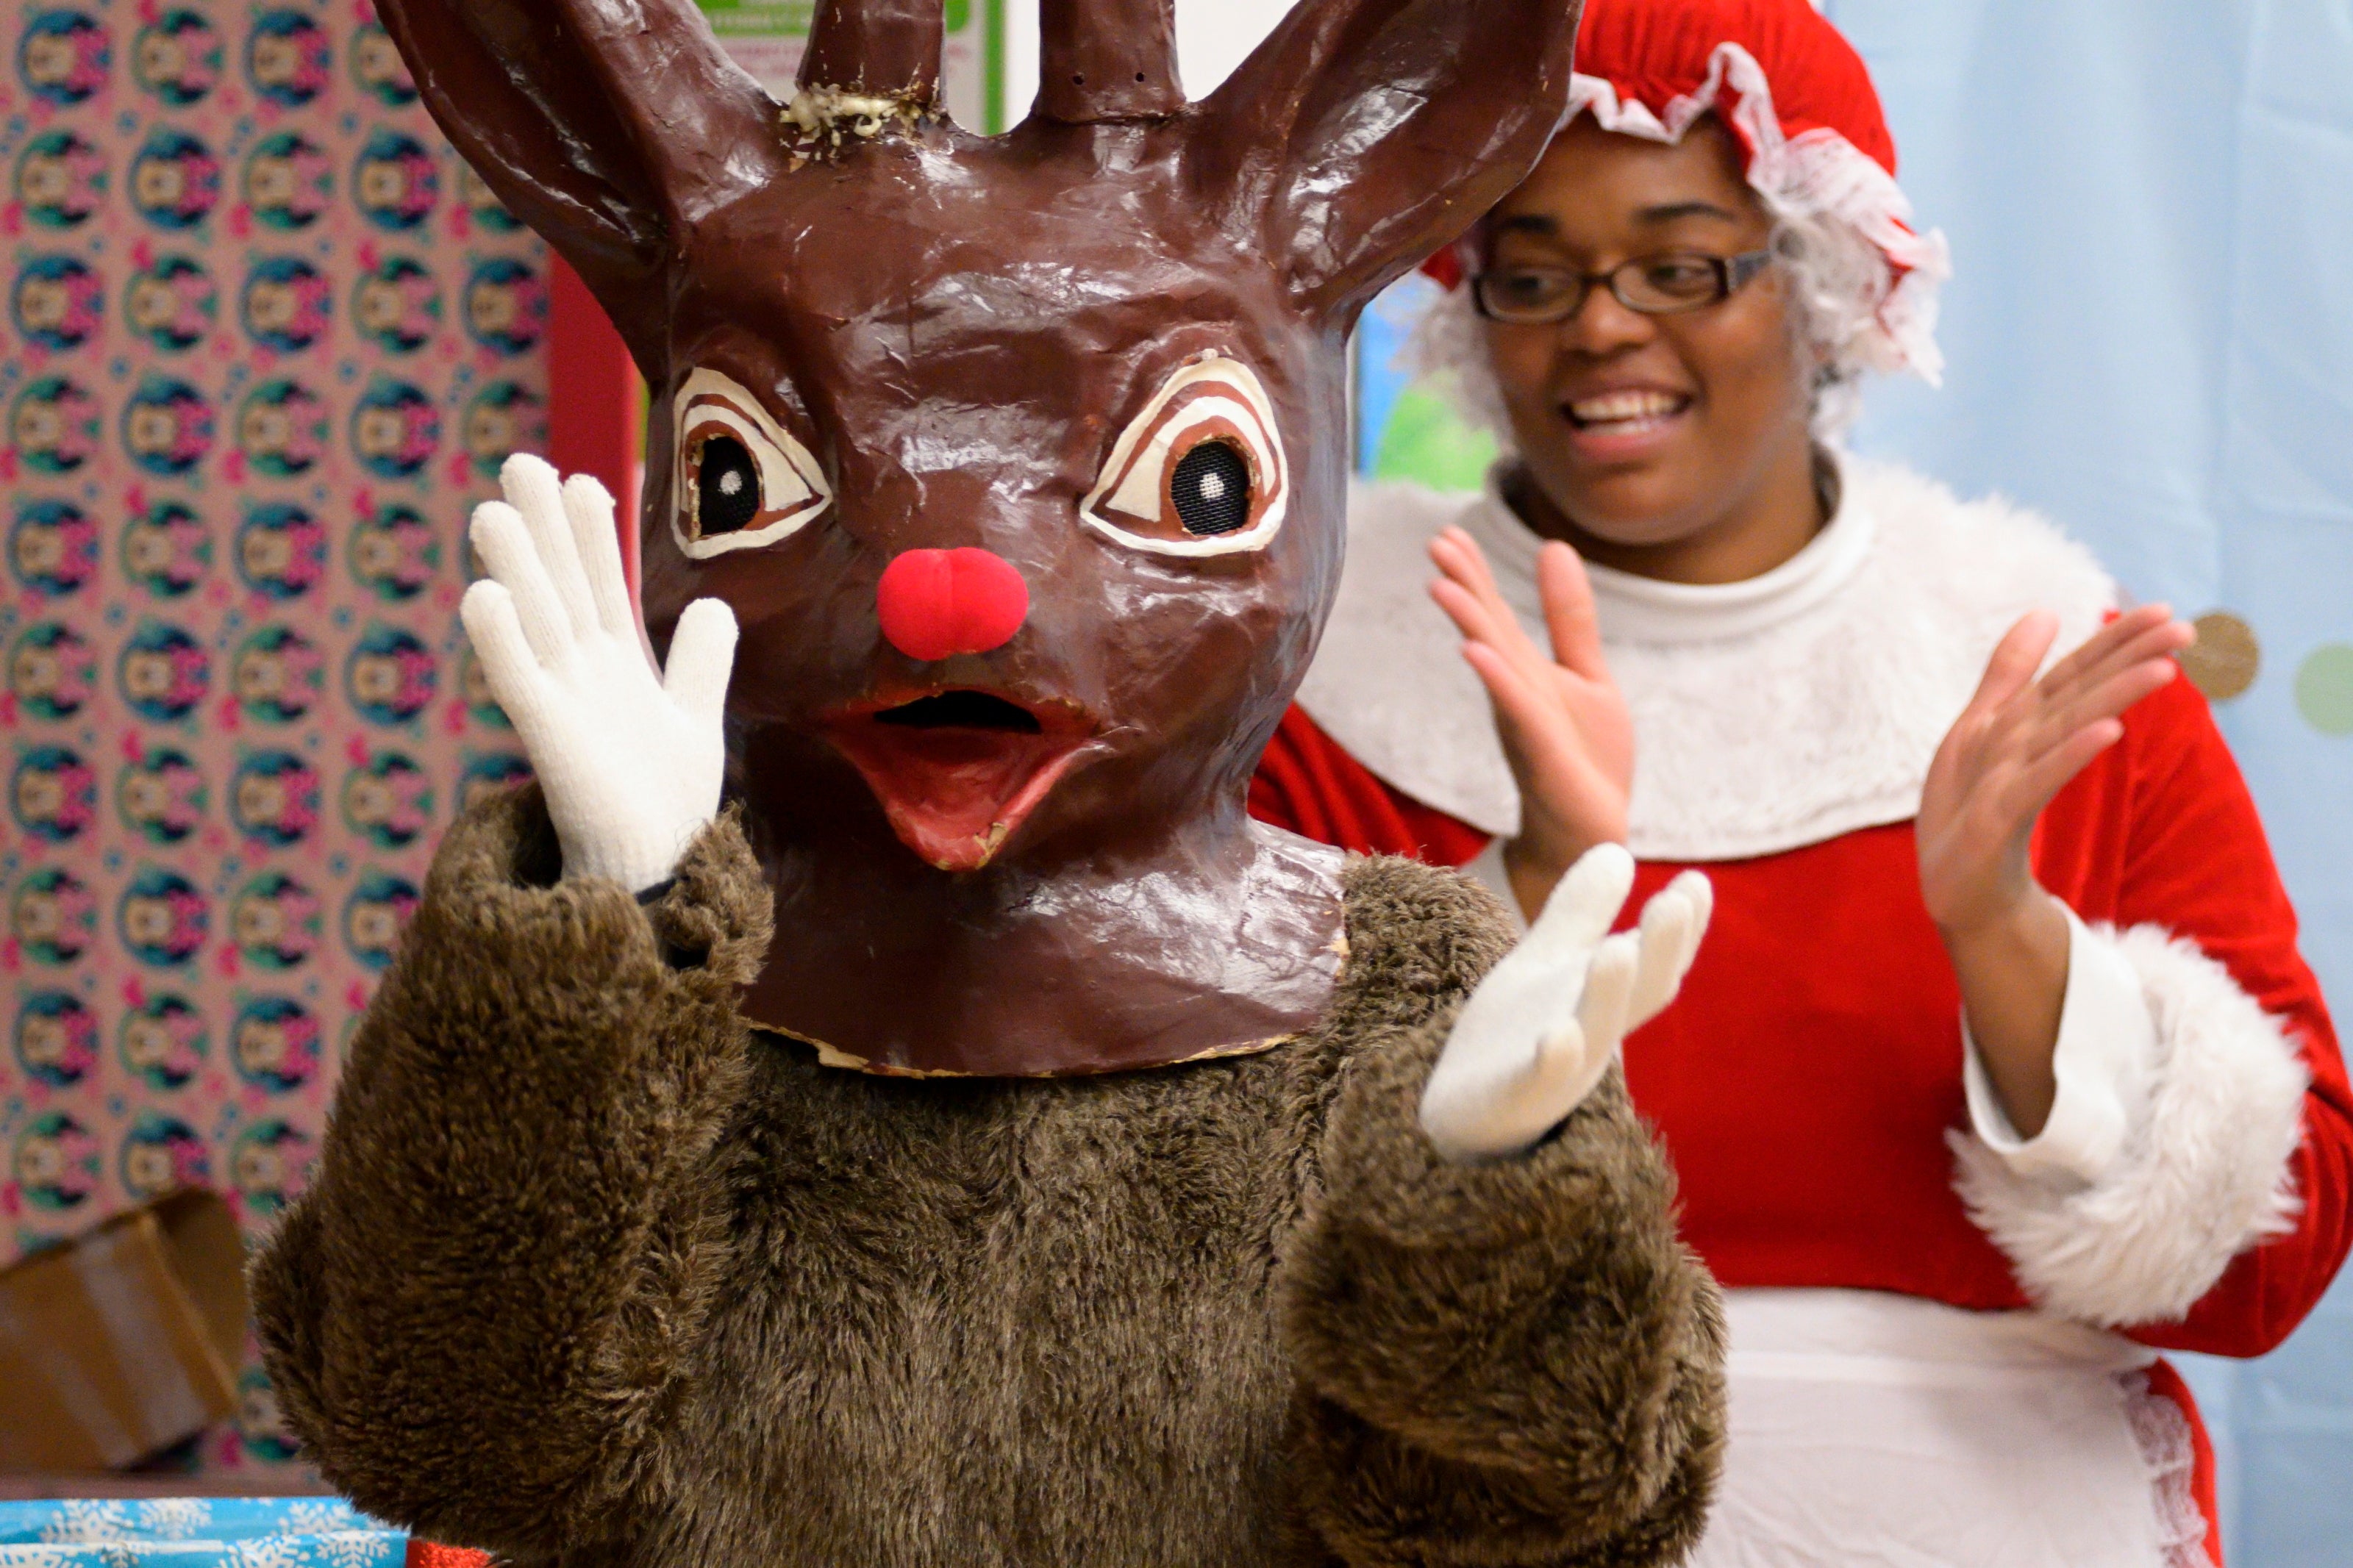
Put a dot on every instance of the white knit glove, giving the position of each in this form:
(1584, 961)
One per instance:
(1542, 1028)
(631, 759)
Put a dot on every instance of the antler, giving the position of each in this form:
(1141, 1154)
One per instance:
(1367, 133)
(1107, 59)
(884, 48)
(610, 126)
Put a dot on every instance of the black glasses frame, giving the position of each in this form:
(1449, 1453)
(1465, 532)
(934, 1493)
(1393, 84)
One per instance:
(1733, 273)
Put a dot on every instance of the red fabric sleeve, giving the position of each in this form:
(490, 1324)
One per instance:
(2171, 839)
(1308, 783)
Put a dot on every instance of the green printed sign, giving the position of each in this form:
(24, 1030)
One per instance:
(731, 19)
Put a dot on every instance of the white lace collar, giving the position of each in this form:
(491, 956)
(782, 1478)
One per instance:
(1768, 714)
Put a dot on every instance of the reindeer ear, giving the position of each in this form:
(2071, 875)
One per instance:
(609, 126)
(1367, 133)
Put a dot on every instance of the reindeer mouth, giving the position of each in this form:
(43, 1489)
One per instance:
(956, 772)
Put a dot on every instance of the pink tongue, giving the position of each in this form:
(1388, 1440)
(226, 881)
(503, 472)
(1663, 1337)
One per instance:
(954, 796)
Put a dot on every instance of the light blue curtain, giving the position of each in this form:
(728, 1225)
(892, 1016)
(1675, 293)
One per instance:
(2151, 339)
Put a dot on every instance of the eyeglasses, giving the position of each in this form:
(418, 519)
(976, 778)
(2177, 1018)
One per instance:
(1654, 285)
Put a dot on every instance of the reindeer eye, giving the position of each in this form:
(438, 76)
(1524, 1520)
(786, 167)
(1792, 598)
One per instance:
(742, 480)
(1200, 472)
(727, 486)
(1210, 489)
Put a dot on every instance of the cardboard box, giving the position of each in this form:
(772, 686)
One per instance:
(124, 1341)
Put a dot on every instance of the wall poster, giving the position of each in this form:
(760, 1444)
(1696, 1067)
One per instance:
(268, 343)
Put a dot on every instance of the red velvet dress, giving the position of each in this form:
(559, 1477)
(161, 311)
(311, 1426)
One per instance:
(1808, 1081)
(1806, 1102)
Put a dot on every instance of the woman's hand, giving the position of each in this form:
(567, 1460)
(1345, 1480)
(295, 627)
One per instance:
(2014, 748)
(629, 758)
(1566, 729)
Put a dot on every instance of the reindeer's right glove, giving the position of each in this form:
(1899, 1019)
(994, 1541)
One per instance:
(1546, 1021)
(629, 758)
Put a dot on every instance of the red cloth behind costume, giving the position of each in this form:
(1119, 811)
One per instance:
(1307, 783)
(425, 1555)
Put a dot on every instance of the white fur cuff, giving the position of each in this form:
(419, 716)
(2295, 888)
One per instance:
(2200, 1176)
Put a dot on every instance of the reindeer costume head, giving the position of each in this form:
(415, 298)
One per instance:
(1020, 460)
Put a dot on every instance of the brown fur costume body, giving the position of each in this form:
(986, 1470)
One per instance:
(593, 1272)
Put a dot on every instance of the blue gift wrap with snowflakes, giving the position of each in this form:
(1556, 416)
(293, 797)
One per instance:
(196, 1532)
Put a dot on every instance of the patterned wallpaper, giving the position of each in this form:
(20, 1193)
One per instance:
(268, 343)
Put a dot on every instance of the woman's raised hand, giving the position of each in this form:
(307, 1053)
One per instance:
(2015, 747)
(630, 759)
(1566, 729)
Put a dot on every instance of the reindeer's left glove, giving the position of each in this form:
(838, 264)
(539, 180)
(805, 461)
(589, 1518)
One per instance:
(1545, 1023)
(630, 759)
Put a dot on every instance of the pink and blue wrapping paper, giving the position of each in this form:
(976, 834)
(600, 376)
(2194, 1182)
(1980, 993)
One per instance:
(269, 340)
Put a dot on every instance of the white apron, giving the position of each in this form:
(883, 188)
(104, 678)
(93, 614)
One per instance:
(1881, 1431)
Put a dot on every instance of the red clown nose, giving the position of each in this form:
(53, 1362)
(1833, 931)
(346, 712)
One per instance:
(937, 604)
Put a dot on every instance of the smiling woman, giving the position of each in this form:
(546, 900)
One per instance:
(2001, 1069)
(1670, 409)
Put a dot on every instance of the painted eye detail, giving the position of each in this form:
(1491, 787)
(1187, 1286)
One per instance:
(727, 487)
(742, 480)
(1200, 472)
(1210, 489)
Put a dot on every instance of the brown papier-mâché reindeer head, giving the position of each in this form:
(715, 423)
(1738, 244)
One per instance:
(1021, 460)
